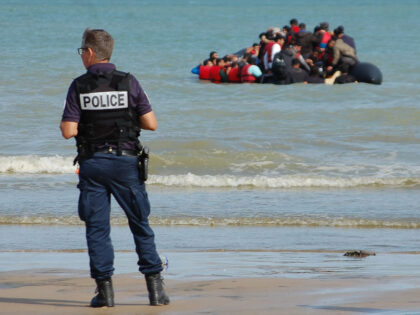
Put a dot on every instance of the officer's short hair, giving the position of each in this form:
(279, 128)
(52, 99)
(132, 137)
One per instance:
(100, 41)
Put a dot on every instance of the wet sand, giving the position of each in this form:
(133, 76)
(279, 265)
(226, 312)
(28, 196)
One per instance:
(54, 291)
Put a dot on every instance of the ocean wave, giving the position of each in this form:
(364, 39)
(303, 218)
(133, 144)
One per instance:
(290, 221)
(35, 164)
(290, 181)
(327, 177)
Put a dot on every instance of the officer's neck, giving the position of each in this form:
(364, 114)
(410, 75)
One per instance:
(94, 62)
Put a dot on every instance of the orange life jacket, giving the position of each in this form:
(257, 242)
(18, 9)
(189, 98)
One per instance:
(215, 74)
(269, 49)
(245, 76)
(234, 75)
(325, 38)
(205, 72)
(295, 28)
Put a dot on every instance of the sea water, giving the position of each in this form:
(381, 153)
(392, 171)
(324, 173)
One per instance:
(245, 180)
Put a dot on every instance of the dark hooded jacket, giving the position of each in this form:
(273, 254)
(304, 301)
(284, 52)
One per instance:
(307, 40)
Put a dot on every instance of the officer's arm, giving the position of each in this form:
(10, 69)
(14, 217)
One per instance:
(148, 121)
(68, 129)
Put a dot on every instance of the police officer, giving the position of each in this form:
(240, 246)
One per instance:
(105, 110)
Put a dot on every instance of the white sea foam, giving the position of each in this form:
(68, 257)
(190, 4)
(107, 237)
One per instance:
(292, 181)
(302, 221)
(239, 167)
(32, 164)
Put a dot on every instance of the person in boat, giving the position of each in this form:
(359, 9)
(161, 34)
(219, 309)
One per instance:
(234, 73)
(316, 64)
(297, 74)
(317, 74)
(344, 56)
(229, 59)
(217, 72)
(204, 70)
(323, 34)
(253, 50)
(287, 34)
(294, 26)
(306, 39)
(271, 49)
(326, 56)
(250, 72)
(296, 50)
(339, 34)
(302, 27)
(213, 57)
(265, 39)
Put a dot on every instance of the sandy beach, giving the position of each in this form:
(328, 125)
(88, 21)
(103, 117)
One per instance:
(53, 291)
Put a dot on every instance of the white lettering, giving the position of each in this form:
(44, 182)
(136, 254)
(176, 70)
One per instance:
(95, 101)
(104, 100)
(120, 100)
(113, 101)
(86, 100)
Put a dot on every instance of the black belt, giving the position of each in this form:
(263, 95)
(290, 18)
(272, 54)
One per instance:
(114, 151)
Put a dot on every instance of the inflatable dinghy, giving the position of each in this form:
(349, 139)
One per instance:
(367, 73)
(364, 71)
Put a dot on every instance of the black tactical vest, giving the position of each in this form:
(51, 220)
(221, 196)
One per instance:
(107, 116)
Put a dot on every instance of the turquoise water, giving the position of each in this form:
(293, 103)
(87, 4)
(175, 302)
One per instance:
(304, 172)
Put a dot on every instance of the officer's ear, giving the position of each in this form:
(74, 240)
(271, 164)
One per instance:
(89, 57)
(91, 52)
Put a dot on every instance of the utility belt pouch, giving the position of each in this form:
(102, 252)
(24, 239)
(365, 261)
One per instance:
(84, 150)
(143, 163)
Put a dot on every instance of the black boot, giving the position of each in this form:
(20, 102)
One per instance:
(157, 295)
(105, 296)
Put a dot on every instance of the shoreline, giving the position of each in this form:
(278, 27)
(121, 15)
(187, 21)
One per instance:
(208, 265)
(63, 291)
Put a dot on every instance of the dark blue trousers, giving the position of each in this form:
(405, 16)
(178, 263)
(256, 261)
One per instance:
(100, 176)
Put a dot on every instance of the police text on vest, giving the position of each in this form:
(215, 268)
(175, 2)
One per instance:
(104, 100)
